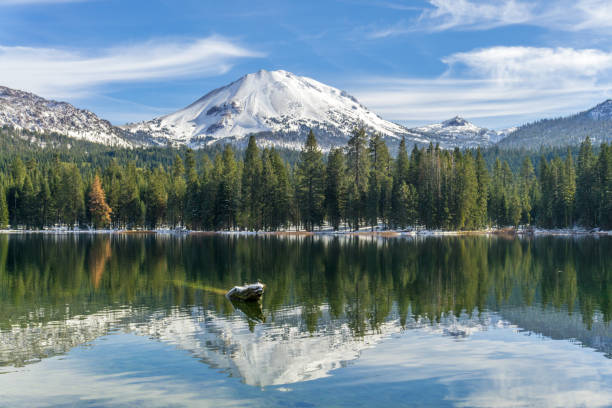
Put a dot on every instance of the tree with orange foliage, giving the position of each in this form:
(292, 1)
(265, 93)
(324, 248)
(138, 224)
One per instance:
(98, 208)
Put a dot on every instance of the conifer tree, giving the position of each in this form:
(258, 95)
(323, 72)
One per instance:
(99, 210)
(131, 209)
(335, 187)
(568, 188)
(310, 183)
(280, 200)
(358, 173)
(251, 198)
(45, 203)
(228, 195)
(405, 206)
(156, 198)
(466, 216)
(483, 181)
(403, 195)
(192, 211)
(586, 201)
(4, 215)
(604, 186)
(527, 190)
(28, 204)
(176, 193)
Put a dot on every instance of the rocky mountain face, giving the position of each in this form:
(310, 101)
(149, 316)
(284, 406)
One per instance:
(571, 130)
(24, 110)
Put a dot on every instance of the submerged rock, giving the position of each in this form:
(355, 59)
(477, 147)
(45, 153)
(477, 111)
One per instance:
(253, 291)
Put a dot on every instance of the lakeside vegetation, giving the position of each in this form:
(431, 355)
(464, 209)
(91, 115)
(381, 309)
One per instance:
(266, 189)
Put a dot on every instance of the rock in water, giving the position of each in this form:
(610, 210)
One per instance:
(246, 292)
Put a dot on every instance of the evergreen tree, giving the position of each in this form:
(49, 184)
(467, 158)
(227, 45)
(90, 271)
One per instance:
(4, 215)
(99, 210)
(586, 200)
(176, 193)
(466, 216)
(403, 212)
(358, 173)
(69, 195)
(131, 209)
(568, 189)
(483, 181)
(527, 190)
(156, 198)
(405, 207)
(547, 183)
(192, 209)
(335, 188)
(604, 186)
(310, 184)
(279, 201)
(252, 187)
(228, 195)
(27, 203)
(380, 183)
(45, 203)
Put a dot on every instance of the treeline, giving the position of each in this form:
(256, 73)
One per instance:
(355, 186)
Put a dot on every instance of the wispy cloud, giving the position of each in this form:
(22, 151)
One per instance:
(56, 72)
(499, 86)
(442, 15)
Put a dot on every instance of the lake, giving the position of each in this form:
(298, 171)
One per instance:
(141, 320)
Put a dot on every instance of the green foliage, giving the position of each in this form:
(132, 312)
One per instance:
(262, 190)
(310, 187)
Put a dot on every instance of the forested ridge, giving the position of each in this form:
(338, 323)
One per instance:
(361, 184)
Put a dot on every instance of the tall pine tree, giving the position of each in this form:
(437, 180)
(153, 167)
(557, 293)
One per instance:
(310, 183)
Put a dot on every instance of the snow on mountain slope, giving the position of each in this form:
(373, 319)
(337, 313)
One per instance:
(278, 106)
(596, 123)
(23, 110)
(603, 111)
(458, 132)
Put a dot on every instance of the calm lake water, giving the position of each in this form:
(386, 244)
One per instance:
(101, 320)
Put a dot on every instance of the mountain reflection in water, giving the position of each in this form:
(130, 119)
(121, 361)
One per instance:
(327, 298)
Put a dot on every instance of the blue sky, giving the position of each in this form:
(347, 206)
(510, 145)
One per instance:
(498, 63)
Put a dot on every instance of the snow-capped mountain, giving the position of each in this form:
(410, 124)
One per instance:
(278, 106)
(24, 110)
(458, 132)
(570, 130)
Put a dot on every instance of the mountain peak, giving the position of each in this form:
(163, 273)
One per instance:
(277, 106)
(456, 121)
(458, 132)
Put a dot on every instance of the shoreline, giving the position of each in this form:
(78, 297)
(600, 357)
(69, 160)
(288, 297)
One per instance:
(504, 232)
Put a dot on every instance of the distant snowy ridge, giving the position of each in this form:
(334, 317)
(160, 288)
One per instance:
(279, 107)
(595, 123)
(458, 132)
(24, 110)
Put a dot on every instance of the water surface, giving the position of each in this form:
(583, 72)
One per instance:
(120, 320)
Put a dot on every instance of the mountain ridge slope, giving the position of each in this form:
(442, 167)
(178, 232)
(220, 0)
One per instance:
(25, 110)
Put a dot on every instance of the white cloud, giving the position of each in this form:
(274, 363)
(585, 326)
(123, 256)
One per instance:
(567, 15)
(56, 72)
(532, 63)
(498, 86)
(464, 13)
